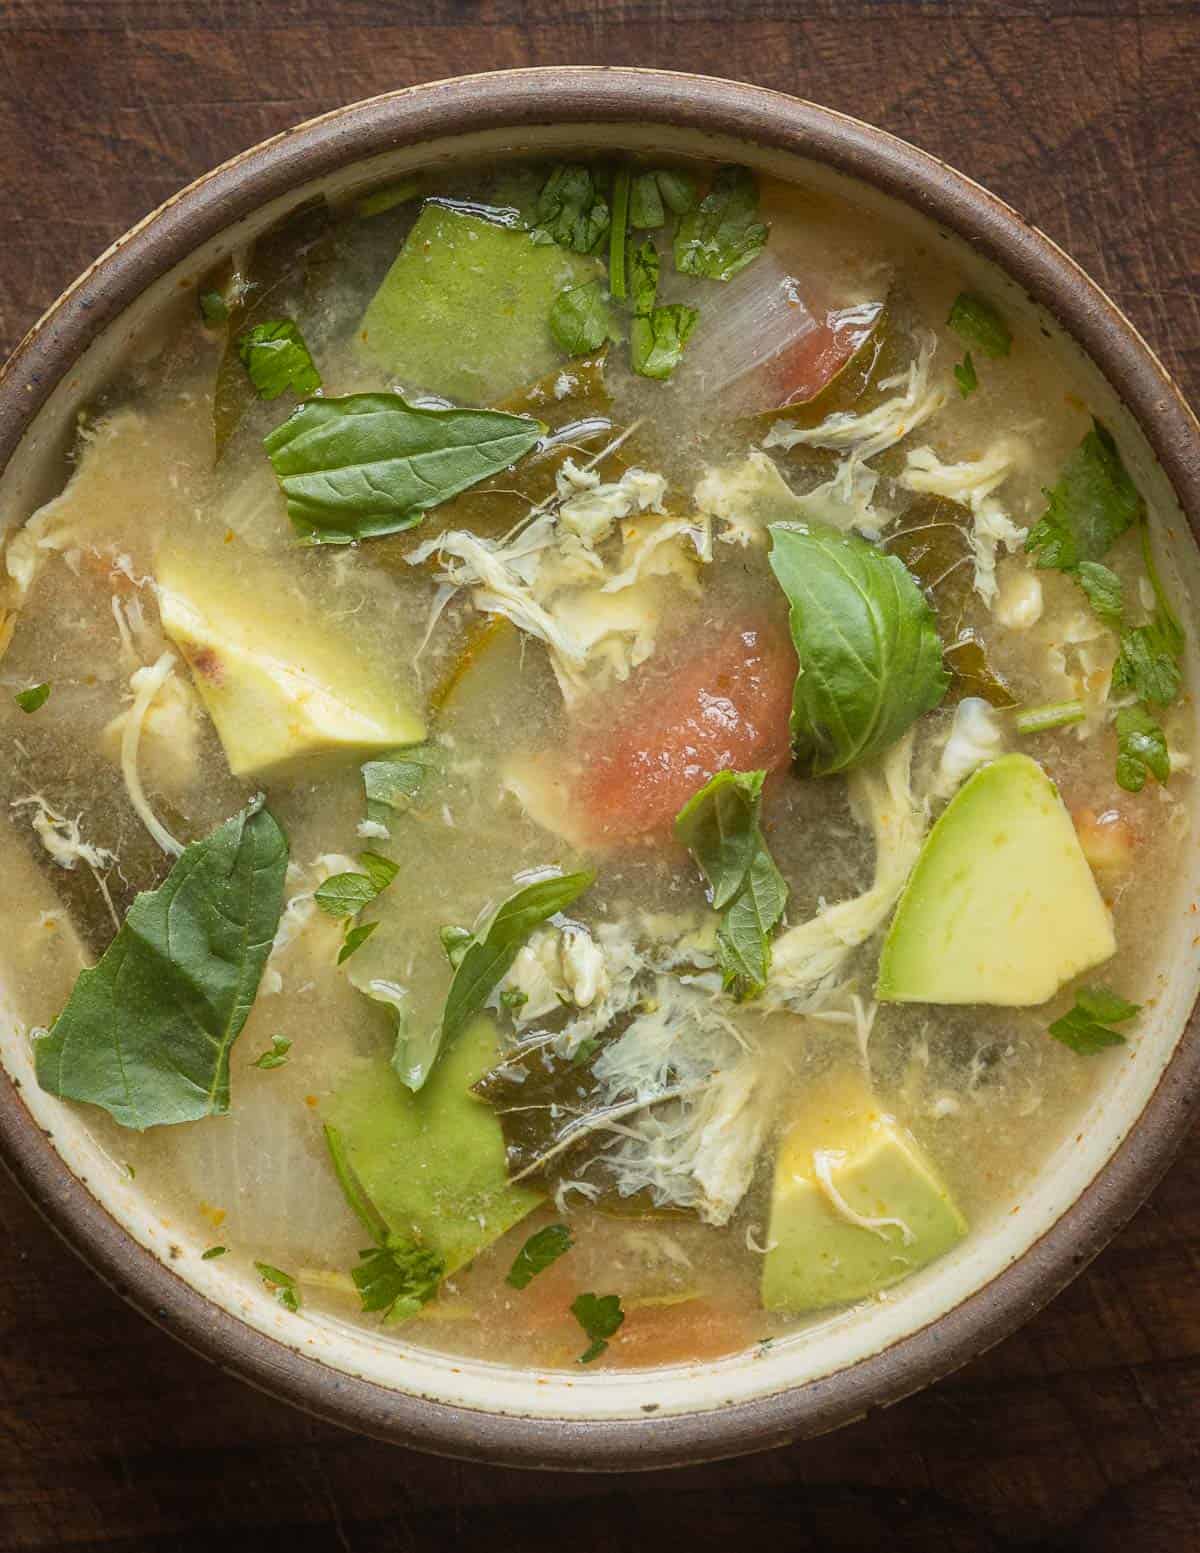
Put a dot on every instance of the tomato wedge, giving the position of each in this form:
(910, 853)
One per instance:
(811, 361)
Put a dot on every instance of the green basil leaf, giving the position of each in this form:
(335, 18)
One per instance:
(35, 696)
(571, 211)
(370, 464)
(281, 1284)
(1085, 1029)
(379, 870)
(277, 359)
(600, 1316)
(744, 937)
(345, 895)
(869, 650)
(147, 1032)
(1141, 749)
(979, 323)
(579, 319)
(966, 377)
(487, 960)
(723, 235)
(546, 1246)
(1103, 589)
(392, 782)
(657, 339)
(276, 1057)
(719, 827)
(1091, 505)
(354, 938)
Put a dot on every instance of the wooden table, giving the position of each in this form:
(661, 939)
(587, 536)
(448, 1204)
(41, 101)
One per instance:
(1083, 1431)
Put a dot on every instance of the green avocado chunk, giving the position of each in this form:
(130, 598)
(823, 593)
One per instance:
(856, 1205)
(433, 1162)
(1001, 907)
(464, 310)
(280, 682)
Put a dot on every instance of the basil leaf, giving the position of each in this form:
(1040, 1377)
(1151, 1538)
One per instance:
(276, 1057)
(869, 650)
(35, 696)
(1085, 1029)
(378, 869)
(1091, 505)
(719, 827)
(487, 960)
(281, 1284)
(570, 210)
(345, 895)
(370, 464)
(979, 323)
(277, 359)
(391, 782)
(657, 339)
(966, 377)
(579, 319)
(537, 1254)
(723, 235)
(618, 236)
(1141, 749)
(744, 937)
(600, 1316)
(354, 938)
(1103, 589)
(146, 1033)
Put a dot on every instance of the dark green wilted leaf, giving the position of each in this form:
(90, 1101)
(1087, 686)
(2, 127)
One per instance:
(392, 782)
(1141, 749)
(35, 696)
(277, 359)
(657, 339)
(1085, 1029)
(600, 1316)
(571, 211)
(723, 235)
(976, 321)
(542, 1248)
(744, 937)
(966, 377)
(1103, 589)
(1091, 505)
(579, 319)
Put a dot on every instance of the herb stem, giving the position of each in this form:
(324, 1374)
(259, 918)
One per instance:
(1059, 714)
(617, 233)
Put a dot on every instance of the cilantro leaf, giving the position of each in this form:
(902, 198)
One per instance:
(1141, 749)
(1147, 664)
(276, 1057)
(571, 211)
(744, 937)
(654, 193)
(579, 319)
(1086, 1028)
(36, 695)
(345, 895)
(1103, 589)
(678, 190)
(981, 324)
(391, 782)
(213, 1252)
(657, 339)
(1090, 506)
(600, 1316)
(281, 1284)
(722, 235)
(966, 377)
(354, 938)
(277, 359)
(546, 1246)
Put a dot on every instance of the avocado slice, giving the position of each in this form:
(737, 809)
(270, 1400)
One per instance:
(1001, 906)
(844, 1158)
(280, 683)
(433, 1162)
(464, 310)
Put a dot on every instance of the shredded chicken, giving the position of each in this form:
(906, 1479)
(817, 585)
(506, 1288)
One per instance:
(972, 483)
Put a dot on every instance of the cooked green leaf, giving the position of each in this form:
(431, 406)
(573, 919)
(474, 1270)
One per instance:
(975, 320)
(277, 359)
(354, 938)
(657, 339)
(744, 937)
(1147, 664)
(276, 1057)
(600, 1316)
(1091, 505)
(36, 695)
(213, 1252)
(542, 1248)
(281, 1284)
(966, 377)
(456, 941)
(345, 895)
(579, 319)
(644, 266)
(571, 211)
(392, 782)
(379, 870)
(1086, 1028)
(869, 650)
(213, 308)
(719, 827)
(723, 235)
(646, 203)
(370, 464)
(1103, 589)
(618, 236)
(146, 1033)
(1141, 749)
(678, 190)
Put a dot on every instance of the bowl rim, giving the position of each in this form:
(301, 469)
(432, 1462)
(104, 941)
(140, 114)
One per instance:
(522, 100)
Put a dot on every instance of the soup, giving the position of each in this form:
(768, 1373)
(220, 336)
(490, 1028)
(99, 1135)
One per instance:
(611, 735)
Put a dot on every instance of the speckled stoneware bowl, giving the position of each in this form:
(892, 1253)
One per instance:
(856, 1359)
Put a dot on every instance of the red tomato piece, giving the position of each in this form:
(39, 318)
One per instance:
(726, 709)
(810, 363)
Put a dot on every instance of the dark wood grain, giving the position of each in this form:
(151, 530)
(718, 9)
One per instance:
(1080, 1433)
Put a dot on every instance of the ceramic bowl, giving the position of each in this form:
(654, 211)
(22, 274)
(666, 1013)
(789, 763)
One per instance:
(857, 1359)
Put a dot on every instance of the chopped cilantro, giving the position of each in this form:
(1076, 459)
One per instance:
(36, 695)
(546, 1246)
(579, 319)
(655, 193)
(212, 1253)
(976, 321)
(1103, 589)
(600, 1316)
(723, 234)
(657, 339)
(1147, 664)
(1141, 749)
(355, 938)
(345, 895)
(276, 1057)
(571, 211)
(966, 377)
(277, 359)
(1086, 1028)
(281, 1284)
(1090, 506)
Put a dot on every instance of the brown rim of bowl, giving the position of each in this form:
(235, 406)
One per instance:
(520, 100)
